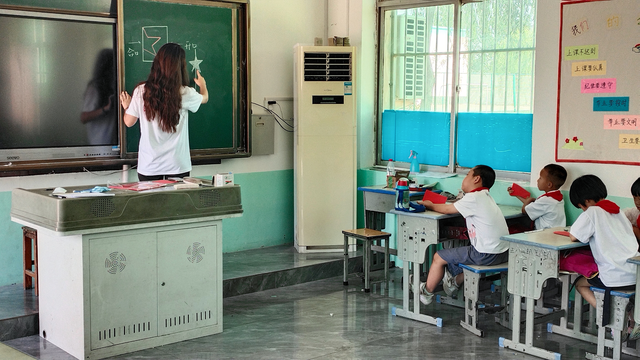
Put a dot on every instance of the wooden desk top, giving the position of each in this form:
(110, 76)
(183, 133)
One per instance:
(544, 239)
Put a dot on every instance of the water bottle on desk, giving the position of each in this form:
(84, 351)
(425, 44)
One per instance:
(402, 194)
(391, 173)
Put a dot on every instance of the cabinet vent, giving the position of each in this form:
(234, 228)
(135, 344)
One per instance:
(327, 66)
(195, 252)
(209, 198)
(174, 321)
(125, 330)
(102, 207)
(116, 262)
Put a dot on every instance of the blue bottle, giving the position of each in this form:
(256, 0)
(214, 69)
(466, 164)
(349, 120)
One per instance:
(415, 167)
(402, 195)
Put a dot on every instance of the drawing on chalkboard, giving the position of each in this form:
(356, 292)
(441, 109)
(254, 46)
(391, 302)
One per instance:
(153, 37)
(195, 63)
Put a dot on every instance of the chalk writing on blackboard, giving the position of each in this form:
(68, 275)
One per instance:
(195, 63)
(153, 37)
(613, 22)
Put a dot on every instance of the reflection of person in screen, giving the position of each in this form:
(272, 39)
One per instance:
(98, 110)
(162, 104)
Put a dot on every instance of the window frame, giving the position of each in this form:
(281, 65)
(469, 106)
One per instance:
(390, 5)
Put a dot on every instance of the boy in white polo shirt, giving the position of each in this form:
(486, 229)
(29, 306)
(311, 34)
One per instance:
(548, 209)
(608, 232)
(485, 225)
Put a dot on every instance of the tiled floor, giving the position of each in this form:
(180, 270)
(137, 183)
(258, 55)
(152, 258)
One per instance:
(326, 320)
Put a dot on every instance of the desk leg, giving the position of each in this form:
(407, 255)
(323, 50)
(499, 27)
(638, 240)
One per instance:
(527, 347)
(387, 261)
(415, 313)
(345, 265)
(575, 329)
(367, 264)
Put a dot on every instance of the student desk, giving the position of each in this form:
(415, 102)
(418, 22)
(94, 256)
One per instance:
(636, 312)
(379, 200)
(416, 232)
(533, 258)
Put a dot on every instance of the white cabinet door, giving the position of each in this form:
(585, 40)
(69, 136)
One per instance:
(189, 278)
(123, 298)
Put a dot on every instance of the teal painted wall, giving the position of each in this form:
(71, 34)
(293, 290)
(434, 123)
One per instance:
(267, 201)
(10, 244)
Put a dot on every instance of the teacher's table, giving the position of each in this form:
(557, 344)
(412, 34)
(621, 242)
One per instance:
(418, 231)
(533, 258)
(130, 271)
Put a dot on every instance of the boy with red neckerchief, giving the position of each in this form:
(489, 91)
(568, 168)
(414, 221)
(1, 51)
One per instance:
(633, 214)
(607, 231)
(548, 209)
(485, 225)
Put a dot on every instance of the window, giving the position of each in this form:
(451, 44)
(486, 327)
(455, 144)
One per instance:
(487, 49)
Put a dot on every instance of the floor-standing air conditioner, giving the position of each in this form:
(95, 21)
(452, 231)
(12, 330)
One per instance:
(324, 146)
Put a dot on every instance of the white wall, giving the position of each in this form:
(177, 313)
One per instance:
(618, 178)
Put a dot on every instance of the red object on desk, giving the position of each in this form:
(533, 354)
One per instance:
(433, 197)
(517, 190)
(561, 232)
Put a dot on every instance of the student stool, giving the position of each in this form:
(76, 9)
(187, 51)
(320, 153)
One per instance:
(367, 236)
(472, 275)
(30, 272)
(619, 301)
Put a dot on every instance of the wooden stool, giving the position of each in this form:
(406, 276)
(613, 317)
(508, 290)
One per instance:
(367, 236)
(29, 239)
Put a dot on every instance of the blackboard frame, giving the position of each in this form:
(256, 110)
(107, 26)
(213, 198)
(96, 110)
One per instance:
(241, 81)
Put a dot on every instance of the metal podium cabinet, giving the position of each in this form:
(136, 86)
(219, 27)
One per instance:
(324, 146)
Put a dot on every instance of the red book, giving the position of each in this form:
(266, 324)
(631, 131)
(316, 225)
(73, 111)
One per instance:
(434, 198)
(563, 233)
(518, 190)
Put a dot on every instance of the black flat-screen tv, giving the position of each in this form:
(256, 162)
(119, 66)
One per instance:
(58, 92)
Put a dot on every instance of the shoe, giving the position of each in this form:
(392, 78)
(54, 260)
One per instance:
(425, 296)
(632, 330)
(449, 283)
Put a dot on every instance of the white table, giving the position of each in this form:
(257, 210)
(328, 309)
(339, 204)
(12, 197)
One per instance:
(533, 258)
(416, 232)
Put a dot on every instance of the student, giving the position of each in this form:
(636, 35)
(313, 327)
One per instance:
(162, 104)
(485, 224)
(609, 235)
(633, 214)
(548, 209)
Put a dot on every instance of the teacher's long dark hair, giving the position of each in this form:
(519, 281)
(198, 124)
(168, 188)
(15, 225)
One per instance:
(162, 98)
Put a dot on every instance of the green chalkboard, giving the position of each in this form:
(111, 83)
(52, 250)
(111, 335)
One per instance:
(213, 37)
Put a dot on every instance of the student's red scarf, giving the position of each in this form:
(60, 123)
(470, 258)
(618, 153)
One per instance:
(555, 194)
(608, 206)
(479, 189)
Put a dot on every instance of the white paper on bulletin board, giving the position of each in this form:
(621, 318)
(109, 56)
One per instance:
(599, 82)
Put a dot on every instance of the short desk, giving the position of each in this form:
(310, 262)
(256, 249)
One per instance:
(533, 258)
(636, 312)
(415, 233)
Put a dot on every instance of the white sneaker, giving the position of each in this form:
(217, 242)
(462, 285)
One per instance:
(425, 296)
(449, 283)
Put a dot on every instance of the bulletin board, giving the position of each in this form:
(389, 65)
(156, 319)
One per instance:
(214, 36)
(598, 117)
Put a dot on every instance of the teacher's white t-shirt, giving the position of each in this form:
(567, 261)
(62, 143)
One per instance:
(159, 152)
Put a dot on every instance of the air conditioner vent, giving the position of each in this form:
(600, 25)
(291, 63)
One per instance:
(327, 66)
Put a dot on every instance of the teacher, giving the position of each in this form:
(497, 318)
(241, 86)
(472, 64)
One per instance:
(162, 104)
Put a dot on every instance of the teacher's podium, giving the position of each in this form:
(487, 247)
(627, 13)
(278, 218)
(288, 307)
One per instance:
(131, 271)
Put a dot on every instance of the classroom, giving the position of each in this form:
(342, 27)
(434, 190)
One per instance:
(323, 318)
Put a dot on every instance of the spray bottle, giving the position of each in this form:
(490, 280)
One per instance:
(415, 167)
